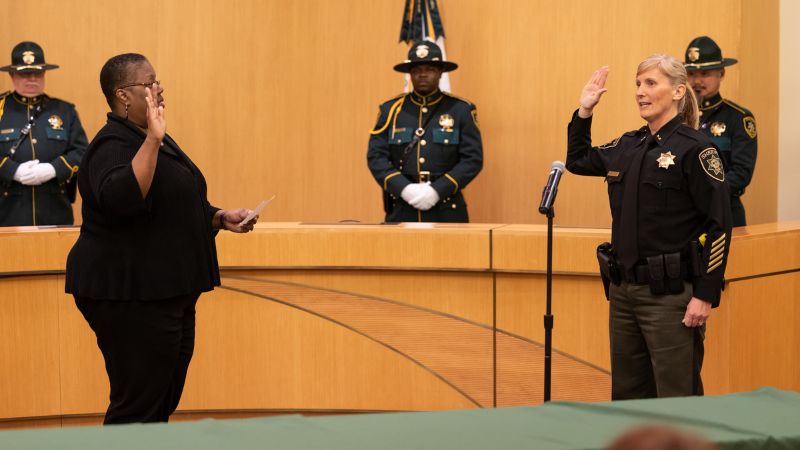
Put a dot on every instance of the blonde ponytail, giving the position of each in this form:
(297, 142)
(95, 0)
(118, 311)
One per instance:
(691, 112)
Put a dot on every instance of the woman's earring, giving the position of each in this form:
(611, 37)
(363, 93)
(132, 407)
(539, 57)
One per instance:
(126, 111)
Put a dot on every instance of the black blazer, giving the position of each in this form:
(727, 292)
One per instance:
(134, 248)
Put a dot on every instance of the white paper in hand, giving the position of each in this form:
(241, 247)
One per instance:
(256, 211)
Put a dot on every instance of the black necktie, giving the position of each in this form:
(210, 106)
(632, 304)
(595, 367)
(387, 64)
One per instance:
(626, 240)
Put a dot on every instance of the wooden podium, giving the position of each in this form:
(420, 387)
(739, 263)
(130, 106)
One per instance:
(320, 318)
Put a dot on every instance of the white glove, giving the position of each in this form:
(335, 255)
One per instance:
(40, 173)
(411, 192)
(426, 198)
(25, 171)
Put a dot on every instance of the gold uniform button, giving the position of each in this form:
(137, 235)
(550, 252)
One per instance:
(701, 113)
(706, 103)
(424, 110)
(453, 205)
(446, 141)
(34, 141)
(424, 142)
(658, 136)
(422, 160)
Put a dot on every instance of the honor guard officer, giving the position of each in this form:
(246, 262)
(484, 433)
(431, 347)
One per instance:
(426, 146)
(731, 127)
(670, 231)
(41, 145)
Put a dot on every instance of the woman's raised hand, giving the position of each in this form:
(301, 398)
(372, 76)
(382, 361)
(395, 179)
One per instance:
(156, 121)
(591, 93)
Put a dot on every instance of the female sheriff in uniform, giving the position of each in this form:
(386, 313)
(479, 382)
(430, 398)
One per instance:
(671, 224)
(41, 146)
(426, 146)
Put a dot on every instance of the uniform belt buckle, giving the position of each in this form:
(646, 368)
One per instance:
(424, 176)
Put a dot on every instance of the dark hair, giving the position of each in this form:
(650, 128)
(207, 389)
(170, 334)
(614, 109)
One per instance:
(115, 72)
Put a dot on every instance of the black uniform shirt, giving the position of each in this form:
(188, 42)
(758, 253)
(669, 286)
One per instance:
(681, 193)
(732, 129)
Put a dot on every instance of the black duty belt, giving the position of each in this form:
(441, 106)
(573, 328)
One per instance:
(640, 274)
(423, 177)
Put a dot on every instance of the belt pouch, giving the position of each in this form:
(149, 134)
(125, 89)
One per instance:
(655, 268)
(672, 265)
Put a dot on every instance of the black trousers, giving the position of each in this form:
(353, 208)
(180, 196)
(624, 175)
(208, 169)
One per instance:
(147, 347)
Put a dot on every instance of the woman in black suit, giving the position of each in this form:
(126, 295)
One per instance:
(146, 248)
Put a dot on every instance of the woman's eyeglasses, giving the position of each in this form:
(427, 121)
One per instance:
(148, 84)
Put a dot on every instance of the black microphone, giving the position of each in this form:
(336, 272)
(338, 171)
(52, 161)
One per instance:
(551, 189)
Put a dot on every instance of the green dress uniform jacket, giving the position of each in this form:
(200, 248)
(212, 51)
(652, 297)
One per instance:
(56, 137)
(732, 129)
(447, 151)
(682, 194)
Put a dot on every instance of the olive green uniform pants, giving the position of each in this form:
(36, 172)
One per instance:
(652, 353)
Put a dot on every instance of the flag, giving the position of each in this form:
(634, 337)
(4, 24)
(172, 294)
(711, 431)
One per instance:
(422, 22)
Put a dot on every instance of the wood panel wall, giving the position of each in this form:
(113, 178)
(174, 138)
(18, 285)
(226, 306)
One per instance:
(272, 96)
(327, 328)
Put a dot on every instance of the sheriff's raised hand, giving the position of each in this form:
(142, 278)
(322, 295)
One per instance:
(591, 93)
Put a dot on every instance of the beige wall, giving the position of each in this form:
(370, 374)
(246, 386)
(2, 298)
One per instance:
(278, 97)
(789, 140)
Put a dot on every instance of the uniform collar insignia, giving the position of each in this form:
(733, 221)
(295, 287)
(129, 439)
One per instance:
(667, 130)
(666, 160)
(426, 99)
(27, 100)
(711, 102)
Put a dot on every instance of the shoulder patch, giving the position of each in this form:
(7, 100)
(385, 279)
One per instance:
(712, 164)
(611, 144)
(457, 98)
(750, 126)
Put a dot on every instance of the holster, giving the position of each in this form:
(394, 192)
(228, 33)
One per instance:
(609, 270)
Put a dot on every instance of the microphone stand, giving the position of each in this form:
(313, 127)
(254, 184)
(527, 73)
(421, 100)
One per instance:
(548, 316)
(547, 208)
